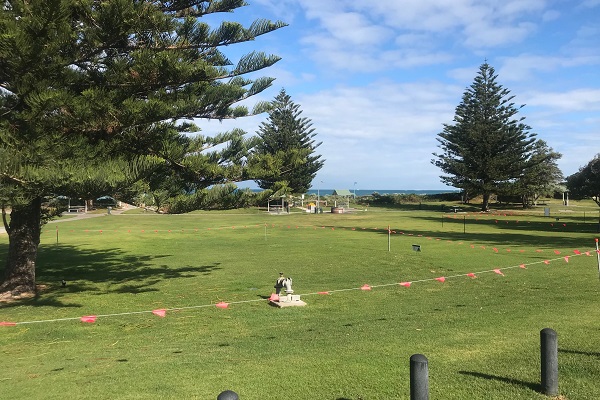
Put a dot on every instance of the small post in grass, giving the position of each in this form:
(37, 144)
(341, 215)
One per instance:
(549, 356)
(228, 395)
(598, 257)
(464, 224)
(389, 238)
(419, 377)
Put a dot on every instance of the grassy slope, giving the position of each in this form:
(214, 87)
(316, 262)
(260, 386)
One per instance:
(481, 336)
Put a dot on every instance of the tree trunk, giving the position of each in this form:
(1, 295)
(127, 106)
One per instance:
(486, 202)
(23, 240)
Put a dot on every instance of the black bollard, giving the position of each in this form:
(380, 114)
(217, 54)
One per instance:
(419, 377)
(549, 353)
(228, 395)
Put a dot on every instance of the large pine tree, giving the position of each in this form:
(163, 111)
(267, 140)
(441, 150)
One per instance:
(487, 146)
(288, 146)
(92, 95)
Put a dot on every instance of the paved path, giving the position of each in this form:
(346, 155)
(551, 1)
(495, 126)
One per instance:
(77, 216)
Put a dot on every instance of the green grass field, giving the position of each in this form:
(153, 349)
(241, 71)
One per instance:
(480, 335)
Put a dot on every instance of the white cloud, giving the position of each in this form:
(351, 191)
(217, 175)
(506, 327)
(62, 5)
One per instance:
(550, 15)
(284, 9)
(285, 77)
(524, 66)
(383, 110)
(465, 75)
(481, 34)
(353, 29)
(369, 36)
(407, 58)
(585, 100)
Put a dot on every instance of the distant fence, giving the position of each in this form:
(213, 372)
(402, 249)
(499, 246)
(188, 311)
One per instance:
(419, 371)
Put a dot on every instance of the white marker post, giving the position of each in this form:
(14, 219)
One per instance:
(389, 238)
(598, 257)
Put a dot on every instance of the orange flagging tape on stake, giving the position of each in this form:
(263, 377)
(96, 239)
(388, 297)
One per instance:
(161, 313)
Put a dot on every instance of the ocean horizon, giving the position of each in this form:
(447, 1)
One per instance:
(368, 192)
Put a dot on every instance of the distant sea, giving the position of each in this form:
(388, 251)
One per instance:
(367, 192)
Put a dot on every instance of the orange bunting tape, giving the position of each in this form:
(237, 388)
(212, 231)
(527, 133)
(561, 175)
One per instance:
(160, 313)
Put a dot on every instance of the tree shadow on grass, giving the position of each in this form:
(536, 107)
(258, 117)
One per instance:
(579, 352)
(529, 385)
(512, 222)
(500, 236)
(83, 270)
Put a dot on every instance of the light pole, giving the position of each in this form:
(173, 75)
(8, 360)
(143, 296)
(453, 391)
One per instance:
(354, 190)
(319, 197)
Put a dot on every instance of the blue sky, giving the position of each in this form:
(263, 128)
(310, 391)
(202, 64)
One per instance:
(378, 79)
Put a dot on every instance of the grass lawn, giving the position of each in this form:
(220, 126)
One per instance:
(480, 335)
